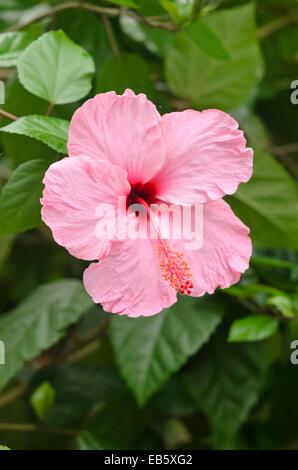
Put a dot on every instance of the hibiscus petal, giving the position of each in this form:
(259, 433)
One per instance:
(129, 281)
(225, 252)
(74, 190)
(206, 157)
(123, 130)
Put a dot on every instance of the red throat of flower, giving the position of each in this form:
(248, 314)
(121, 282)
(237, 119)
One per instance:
(173, 265)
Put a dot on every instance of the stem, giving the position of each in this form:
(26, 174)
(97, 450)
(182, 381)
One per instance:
(110, 34)
(31, 427)
(84, 352)
(113, 12)
(272, 262)
(196, 9)
(12, 395)
(50, 109)
(282, 149)
(274, 26)
(65, 6)
(8, 115)
(5, 173)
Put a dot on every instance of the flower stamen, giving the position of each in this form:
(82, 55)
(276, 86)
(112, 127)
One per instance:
(174, 268)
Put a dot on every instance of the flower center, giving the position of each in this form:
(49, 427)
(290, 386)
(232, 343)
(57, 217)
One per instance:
(142, 192)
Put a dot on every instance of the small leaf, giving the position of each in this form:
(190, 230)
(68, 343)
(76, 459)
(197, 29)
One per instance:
(148, 350)
(19, 199)
(12, 45)
(39, 322)
(283, 303)
(42, 399)
(252, 328)
(49, 130)
(56, 69)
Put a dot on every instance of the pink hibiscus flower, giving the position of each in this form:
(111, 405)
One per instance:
(121, 146)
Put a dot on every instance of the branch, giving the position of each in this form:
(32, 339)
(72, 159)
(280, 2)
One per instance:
(113, 12)
(12, 394)
(284, 149)
(65, 6)
(31, 427)
(8, 115)
(275, 26)
(110, 34)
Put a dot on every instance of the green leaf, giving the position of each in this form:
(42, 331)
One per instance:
(39, 322)
(125, 71)
(19, 199)
(208, 41)
(12, 45)
(49, 130)
(252, 328)
(248, 291)
(148, 350)
(19, 148)
(4, 448)
(42, 399)
(226, 383)
(268, 204)
(87, 441)
(209, 83)
(56, 69)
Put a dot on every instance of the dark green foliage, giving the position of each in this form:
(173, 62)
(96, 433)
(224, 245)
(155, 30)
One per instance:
(209, 373)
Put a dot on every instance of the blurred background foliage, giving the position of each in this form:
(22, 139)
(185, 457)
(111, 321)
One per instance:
(210, 373)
